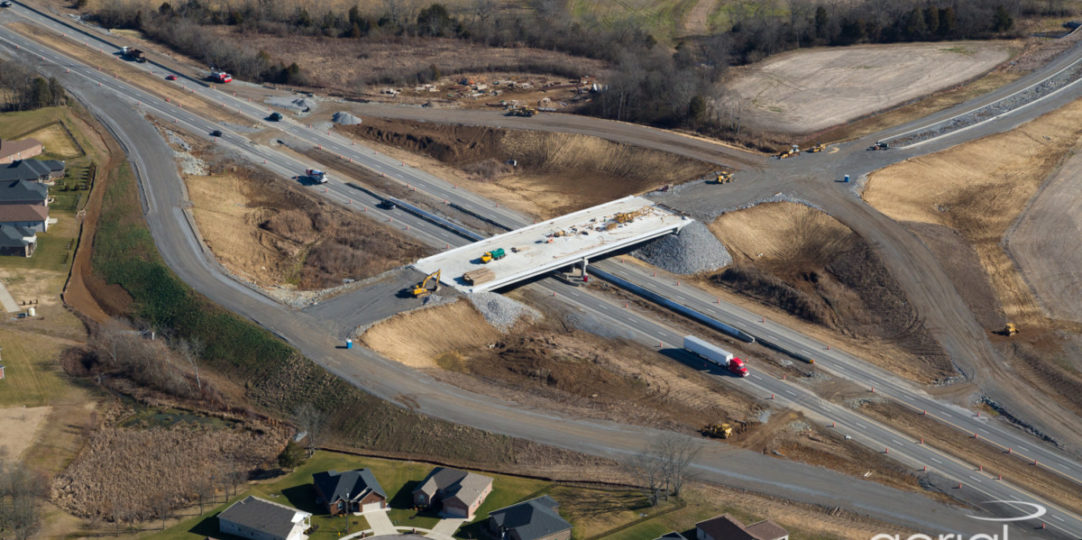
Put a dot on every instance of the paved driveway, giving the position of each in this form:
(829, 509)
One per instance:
(445, 529)
(380, 522)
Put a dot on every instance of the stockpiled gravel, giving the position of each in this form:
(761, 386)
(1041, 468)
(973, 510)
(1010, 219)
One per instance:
(694, 250)
(345, 119)
(500, 311)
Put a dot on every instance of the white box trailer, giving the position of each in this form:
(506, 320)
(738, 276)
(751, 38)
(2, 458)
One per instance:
(715, 355)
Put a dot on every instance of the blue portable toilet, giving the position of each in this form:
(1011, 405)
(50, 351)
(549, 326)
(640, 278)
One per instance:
(846, 179)
(349, 343)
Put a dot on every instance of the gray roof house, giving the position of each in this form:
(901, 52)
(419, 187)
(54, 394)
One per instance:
(258, 519)
(17, 241)
(535, 519)
(726, 527)
(19, 192)
(453, 492)
(350, 491)
(32, 170)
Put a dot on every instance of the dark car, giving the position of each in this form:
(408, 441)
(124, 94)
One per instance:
(386, 204)
(274, 117)
(170, 77)
(216, 133)
(5, 3)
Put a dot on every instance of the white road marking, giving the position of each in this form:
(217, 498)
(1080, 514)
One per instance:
(937, 461)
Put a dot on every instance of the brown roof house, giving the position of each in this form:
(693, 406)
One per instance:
(535, 519)
(453, 493)
(258, 519)
(726, 527)
(11, 151)
(350, 491)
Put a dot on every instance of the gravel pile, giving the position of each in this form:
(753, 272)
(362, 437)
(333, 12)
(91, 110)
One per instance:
(501, 311)
(995, 109)
(190, 164)
(345, 119)
(177, 140)
(299, 104)
(694, 250)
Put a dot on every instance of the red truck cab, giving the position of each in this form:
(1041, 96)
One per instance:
(737, 367)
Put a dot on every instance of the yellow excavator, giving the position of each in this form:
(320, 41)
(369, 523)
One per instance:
(1009, 330)
(724, 177)
(422, 289)
(818, 148)
(717, 431)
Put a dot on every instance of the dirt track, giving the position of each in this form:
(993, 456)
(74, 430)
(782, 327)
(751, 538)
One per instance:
(1044, 243)
(806, 91)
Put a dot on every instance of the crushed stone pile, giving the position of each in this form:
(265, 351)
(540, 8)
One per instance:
(299, 104)
(694, 250)
(346, 119)
(500, 311)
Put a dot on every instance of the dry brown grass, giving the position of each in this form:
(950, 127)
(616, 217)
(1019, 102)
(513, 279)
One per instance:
(417, 338)
(20, 427)
(57, 141)
(978, 189)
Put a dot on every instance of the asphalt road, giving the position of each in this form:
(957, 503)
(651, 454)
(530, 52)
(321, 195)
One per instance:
(175, 215)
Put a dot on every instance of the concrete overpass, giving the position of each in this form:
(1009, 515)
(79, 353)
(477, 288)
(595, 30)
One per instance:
(559, 242)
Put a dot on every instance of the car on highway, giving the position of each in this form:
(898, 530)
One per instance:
(216, 133)
(5, 3)
(386, 204)
(170, 77)
(275, 117)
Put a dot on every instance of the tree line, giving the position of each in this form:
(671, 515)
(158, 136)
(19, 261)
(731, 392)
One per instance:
(21, 89)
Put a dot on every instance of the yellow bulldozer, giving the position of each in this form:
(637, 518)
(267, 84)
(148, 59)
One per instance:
(724, 177)
(422, 288)
(720, 430)
(818, 148)
(1009, 330)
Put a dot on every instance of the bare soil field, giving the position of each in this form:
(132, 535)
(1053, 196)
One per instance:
(805, 91)
(20, 426)
(273, 234)
(807, 263)
(1044, 243)
(547, 366)
(555, 173)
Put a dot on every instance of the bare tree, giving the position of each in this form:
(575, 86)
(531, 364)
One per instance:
(204, 492)
(311, 420)
(21, 492)
(160, 505)
(191, 350)
(662, 467)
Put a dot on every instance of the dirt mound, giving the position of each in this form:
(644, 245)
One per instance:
(274, 234)
(543, 174)
(807, 263)
(806, 91)
(418, 337)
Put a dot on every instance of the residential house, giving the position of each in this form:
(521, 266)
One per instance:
(350, 491)
(726, 527)
(32, 170)
(452, 492)
(23, 149)
(259, 519)
(535, 519)
(24, 205)
(672, 536)
(18, 241)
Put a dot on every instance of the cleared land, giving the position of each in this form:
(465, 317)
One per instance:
(806, 91)
(808, 264)
(57, 141)
(979, 189)
(1045, 243)
(273, 234)
(20, 426)
(555, 173)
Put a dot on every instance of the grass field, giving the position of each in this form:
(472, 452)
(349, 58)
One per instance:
(32, 374)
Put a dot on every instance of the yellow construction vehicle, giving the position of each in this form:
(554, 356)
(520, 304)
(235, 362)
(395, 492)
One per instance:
(717, 431)
(818, 148)
(1010, 329)
(421, 289)
(493, 255)
(522, 111)
(724, 177)
(793, 150)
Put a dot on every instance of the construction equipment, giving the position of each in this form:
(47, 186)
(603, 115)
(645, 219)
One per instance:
(1009, 330)
(793, 150)
(421, 289)
(493, 255)
(720, 430)
(477, 277)
(879, 145)
(817, 148)
(522, 111)
(724, 177)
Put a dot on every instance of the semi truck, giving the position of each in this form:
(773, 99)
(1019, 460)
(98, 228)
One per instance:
(221, 77)
(716, 355)
(316, 175)
(133, 54)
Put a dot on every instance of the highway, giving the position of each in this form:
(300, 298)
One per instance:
(169, 227)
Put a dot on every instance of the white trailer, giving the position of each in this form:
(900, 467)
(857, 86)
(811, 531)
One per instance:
(715, 355)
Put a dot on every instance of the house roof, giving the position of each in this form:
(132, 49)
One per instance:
(12, 236)
(463, 485)
(265, 516)
(729, 528)
(30, 169)
(16, 191)
(535, 518)
(766, 530)
(23, 212)
(10, 148)
(350, 485)
(672, 536)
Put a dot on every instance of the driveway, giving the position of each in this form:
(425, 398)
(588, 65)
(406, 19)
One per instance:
(445, 529)
(380, 522)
